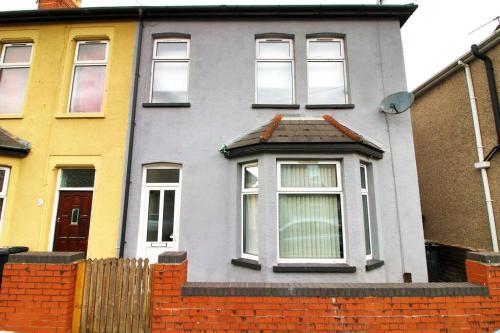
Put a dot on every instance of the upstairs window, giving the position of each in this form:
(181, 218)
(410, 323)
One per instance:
(4, 181)
(170, 73)
(326, 71)
(274, 71)
(89, 76)
(249, 198)
(15, 63)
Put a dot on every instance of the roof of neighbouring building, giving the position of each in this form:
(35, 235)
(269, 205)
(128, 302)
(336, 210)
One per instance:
(399, 12)
(296, 134)
(12, 145)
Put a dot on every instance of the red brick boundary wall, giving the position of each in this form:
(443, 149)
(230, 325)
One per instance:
(178, 306)
(37, 292)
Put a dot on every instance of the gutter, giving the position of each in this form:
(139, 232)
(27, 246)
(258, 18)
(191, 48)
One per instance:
(492, 87)
(131, 136)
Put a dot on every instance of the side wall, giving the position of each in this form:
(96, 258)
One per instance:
(221, 92)
(62, 140)
(451, 189)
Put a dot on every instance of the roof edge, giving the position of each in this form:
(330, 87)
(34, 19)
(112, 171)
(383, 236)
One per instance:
(468, 57)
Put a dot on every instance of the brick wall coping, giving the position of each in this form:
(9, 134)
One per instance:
(485, 257)
(172, 257)
(333, 289)
(46, 257)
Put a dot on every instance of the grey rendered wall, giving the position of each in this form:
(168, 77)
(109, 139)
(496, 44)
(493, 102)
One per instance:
(221, 94)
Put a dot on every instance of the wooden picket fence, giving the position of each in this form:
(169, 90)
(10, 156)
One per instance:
(113, 295)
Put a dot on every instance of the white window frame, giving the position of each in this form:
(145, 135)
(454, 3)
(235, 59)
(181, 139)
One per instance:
(306, 190)
(341, 59)
(157, 59)
(290, 59)
(83, 63)
(146, 188)
(246, 191)
(15, 64)
(3, 194)
(365, 193)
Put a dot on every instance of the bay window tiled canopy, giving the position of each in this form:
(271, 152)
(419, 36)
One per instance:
(302, 135)
(13, 146)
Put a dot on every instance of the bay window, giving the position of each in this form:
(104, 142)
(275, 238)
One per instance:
(326, 71)
(310, 212)
(15, 63)
(4, 182)
(170, 72)
(366, 211)
(274, 68)
(249, 198)
(89, 76)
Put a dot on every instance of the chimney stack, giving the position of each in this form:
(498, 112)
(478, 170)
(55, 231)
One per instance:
(58, 4)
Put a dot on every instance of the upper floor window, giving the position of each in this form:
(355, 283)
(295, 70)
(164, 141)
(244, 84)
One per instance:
(274, 71)
(4, 181)
(310, 211)
(170, 72)
(15, 63)
(89, 76)
(249, 198)
(326, 71)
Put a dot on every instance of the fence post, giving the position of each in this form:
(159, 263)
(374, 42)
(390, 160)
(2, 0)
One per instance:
(38, 291)
(77, 307)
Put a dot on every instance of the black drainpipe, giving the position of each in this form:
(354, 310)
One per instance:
(131, 136)
(490, 74)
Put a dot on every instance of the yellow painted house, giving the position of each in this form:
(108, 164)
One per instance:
(65, 99)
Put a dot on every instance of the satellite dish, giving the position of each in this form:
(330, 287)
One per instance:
(397, 103)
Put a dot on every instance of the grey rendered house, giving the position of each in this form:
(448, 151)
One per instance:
(260, 150)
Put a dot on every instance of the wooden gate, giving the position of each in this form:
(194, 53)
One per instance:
(115, 296)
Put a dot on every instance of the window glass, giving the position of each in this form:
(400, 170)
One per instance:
(153, 216)
(162, 176)
(88, 89)
(13, 82)
(326, 82)
(250, 237)
(92, 52)
(172, 50)
(363, 177)
(170, 82)
(366, 220)
(274, 50)
(2, 180)
(77, 178)
(310, 226)
(17, 54)
(308, 175)
(324, 49)
(274, 83)
(251, 177)
(168, 216)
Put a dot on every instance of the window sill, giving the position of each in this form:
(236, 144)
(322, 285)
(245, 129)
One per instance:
(373, 264)
(314, 268)
(329, 106)
(80, 115)
(11, 116)
(166, 105)
(275, 106)
(247, 263)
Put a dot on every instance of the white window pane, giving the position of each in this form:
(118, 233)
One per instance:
(326, 82)
(310, 226)
(363, 177)
(2, 181)
(168, 216)
(308, 175)
(162, 176)
(88, 88)
(324, 49)
(274, 50)
(274, 83)
(77, 178)
(172, 50)
(92, 52)
(17, 54)
(251, 177)
(13, 83)
(153, 216)
(366, 220)
(250, 237)
(170, 82)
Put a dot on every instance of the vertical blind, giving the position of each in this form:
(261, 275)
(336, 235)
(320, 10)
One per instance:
(250, 239)
(308, 175)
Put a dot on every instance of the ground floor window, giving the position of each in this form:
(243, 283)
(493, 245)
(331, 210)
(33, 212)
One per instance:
(249, 198)
(310, 211)
(366, 211)
(4, 182)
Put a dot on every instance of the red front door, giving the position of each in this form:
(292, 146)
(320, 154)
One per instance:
(73, 221)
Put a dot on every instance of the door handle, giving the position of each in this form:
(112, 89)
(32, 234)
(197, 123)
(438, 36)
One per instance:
(58, 220)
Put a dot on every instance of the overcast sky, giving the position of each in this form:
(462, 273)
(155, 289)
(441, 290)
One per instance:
(436, 35)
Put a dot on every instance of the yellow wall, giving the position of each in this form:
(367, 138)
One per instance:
(61, 140)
